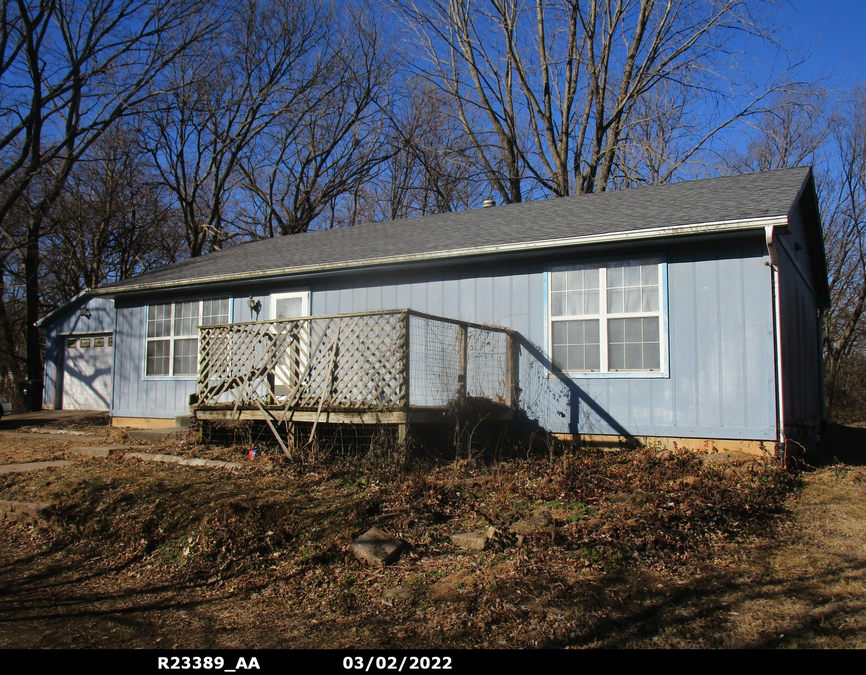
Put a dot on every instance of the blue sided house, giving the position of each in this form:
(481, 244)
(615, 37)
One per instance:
(687, 313)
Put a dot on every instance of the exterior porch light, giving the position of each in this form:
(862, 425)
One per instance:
(254, 305)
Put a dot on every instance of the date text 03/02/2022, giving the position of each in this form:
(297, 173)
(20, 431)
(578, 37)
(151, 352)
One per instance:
(398, 664)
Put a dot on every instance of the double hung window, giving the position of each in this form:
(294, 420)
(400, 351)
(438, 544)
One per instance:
(608, 317)
(172, 334)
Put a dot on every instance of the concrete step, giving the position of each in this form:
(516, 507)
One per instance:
(157, 435)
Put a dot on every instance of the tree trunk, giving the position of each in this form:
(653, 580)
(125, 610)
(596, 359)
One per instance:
(31, 285)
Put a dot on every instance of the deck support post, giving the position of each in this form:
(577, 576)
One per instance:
(512, 370)
(272, 387)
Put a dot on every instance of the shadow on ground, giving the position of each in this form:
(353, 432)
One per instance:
(840, 444)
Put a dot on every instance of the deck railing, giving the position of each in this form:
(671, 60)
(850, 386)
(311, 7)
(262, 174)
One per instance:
(373, 361)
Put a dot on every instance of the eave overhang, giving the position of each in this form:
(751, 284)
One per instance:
(716, 227)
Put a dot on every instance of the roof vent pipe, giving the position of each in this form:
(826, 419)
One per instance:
(487, 203)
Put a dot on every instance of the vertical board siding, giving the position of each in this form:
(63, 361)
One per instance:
(683, 304)
(801, 347)
(720, 333)
(802, 351)
(708, 327)
(640, 396)
(732, 345)
(760, 368)
(720, 338)
(134, 395)
(521, 303)
(663, 408)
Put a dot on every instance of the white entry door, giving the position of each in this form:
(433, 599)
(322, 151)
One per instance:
(293, 361)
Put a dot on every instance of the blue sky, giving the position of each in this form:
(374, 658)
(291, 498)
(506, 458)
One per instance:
(831, 34)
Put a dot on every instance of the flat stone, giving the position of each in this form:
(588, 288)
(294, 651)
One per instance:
(28, 512)
(539, 521)
(32, 466)
(632, 499)
(501, 538)
(99, 450)
(453, 588)
(470, 541)
(33, 508)
(374, 548)
(397, 593)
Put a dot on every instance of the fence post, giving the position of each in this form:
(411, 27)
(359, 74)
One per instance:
(406, 355)
(203, 364)
(512, 370)
(462, 345)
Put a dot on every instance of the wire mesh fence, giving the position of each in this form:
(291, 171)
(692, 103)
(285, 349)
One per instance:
(487, 364)
(449, 360)
(433, 361)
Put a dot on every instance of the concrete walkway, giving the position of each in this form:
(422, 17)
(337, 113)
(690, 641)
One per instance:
(42, 417)
(32, 466)
(54, 437)
(185, 461)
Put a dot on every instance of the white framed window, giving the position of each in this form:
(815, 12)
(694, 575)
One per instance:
(172, 334)
(608, 317)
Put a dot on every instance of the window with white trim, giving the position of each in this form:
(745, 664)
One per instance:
(172, 334)
(607, 317)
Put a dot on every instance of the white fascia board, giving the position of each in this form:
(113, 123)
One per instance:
(610, 237)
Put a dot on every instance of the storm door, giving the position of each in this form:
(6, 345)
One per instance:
(291, 341)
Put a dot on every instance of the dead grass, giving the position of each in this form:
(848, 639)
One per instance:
(641, 549)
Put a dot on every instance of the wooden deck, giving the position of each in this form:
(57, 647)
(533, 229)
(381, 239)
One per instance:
(389, 367)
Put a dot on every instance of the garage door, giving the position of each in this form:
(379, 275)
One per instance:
(87, 366)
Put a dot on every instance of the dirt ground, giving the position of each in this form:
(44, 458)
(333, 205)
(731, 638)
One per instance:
(617, 549)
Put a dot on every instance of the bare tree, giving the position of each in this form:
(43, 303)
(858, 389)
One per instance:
(223, 97)
(112, 220)
(13, 361)
(430, 170)
(845, 239)
(547, 91)
(790, 131)
(330, 141)
(69, 70)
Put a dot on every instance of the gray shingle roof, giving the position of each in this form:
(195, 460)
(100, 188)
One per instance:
(592, 217)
